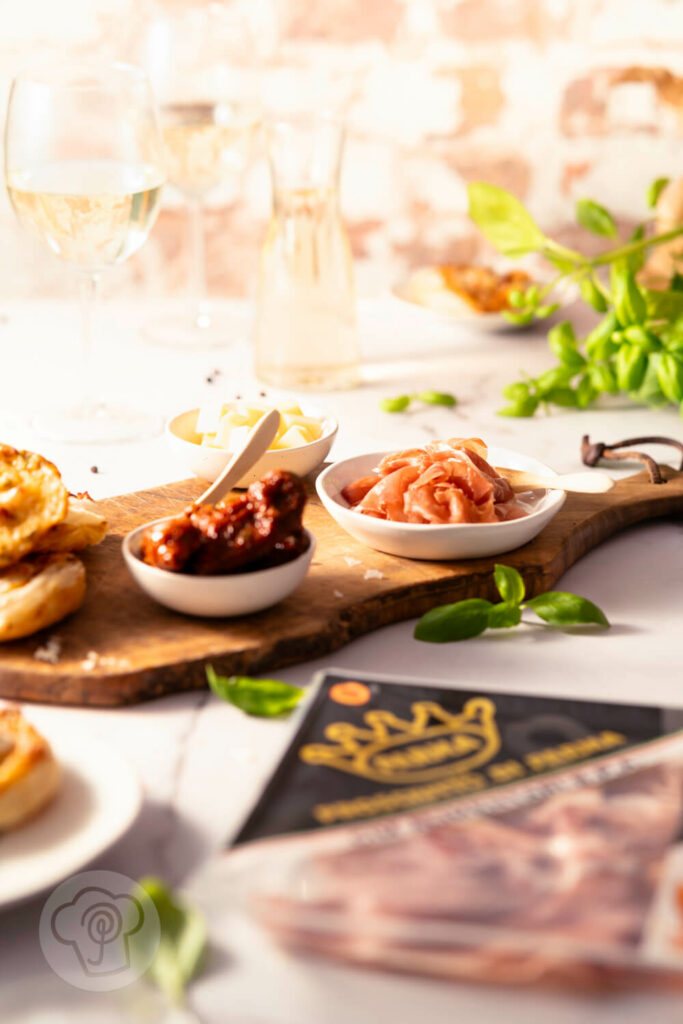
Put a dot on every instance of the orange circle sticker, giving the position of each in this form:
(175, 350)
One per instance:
(351, 693)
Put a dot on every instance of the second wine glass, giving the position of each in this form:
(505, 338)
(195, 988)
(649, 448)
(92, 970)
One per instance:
(199, 63)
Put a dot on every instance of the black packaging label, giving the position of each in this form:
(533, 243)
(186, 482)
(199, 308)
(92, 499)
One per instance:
(368, 747)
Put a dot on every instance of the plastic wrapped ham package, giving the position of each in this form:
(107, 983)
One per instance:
(470, 835)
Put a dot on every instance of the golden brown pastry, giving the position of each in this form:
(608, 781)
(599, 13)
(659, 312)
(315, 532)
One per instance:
(39, 591)
(32, 500)
(82, 527)
(29, 772)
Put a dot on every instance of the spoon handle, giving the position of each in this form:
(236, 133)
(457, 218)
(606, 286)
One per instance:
(260, 436)
(583, 483)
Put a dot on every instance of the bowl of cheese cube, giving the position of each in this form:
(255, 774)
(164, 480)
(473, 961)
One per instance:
(204, 439)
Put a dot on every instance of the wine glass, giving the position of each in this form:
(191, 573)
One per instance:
(84, 167)
(201, 64)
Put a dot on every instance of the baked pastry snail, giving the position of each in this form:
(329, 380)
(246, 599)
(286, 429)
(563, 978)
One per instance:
(32, 500)
(40, 525)
(39, 591)
(29, 772)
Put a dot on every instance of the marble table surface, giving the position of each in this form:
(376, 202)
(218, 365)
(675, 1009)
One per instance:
(202, 762)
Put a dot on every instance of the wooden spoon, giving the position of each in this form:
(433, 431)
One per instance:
(258, 441)
(582, 483)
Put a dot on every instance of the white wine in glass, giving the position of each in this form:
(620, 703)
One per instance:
(205, 142)
(84, 167)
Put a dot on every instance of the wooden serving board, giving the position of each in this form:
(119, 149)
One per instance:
(121, 647)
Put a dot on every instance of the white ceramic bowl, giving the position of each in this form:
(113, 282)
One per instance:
(436, 542)
(216, 596)
(209, 463)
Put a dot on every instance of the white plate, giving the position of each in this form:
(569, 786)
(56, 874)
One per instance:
(487, 323)
(436, 542)
(98, 800)
(208, 463)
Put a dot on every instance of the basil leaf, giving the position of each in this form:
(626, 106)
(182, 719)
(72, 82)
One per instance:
(638, 335)
(504, 220)
(519, 318)
(504, 616)
(670, 376)
(595, 218)
(664, 305)
(265, 698)
(655, 190)
(673, 342)
(591, 294)
(545, 311)
(561, 609)
(585, 392)
(649, 392)
(517, 391)
(517, 298)
(558, 377)
(565, 397)
(562, 341)
(631, 367)
(458, 621)
(436, 398)
(395, 404)
(509, 583)
(603, 379)
(522, 407)
(599, 344)
(629, 302)
(182, 944)
(676, 282)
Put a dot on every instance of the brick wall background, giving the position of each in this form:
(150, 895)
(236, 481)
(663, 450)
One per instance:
(529, 94)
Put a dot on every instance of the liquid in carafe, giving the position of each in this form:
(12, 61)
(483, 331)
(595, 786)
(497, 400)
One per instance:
(305, 331)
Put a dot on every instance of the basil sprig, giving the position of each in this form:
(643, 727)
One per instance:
(182, 943)
(265, 698)
(465, 619)
(402, 402)
(637, 348)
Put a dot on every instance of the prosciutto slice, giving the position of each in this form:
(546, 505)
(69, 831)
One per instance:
(561, 890)
(444, 482)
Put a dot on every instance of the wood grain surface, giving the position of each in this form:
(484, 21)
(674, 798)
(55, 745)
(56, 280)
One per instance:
(121, 647)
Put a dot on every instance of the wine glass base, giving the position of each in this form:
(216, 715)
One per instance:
(207, 330)
(97, 424)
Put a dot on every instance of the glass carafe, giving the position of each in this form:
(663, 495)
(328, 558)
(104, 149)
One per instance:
(305, 330)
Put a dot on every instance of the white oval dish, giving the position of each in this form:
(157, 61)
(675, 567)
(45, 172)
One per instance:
(436, 542)
(208, 463)
(487, 323)
(215, 596)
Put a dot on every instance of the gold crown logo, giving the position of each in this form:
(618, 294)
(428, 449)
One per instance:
(434, 745)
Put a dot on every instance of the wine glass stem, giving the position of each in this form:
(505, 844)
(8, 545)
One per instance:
(197, 261)
(89, 291)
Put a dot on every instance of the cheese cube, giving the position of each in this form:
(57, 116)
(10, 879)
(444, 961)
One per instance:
(289, 407)
(237, 437)
(294, 437)
(312, 426)
(209, 417)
